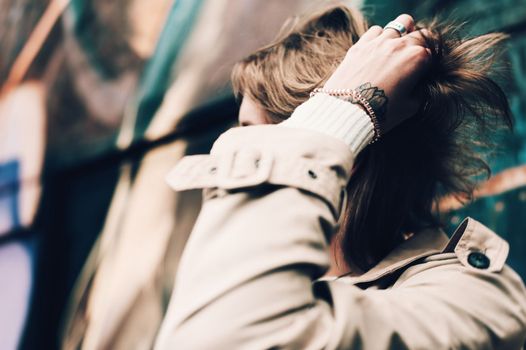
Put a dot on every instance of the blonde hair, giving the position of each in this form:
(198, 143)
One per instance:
(397, 181)
(280, 76)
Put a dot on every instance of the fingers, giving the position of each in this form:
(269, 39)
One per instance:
(372, 33)
(417, 37)
(406, 20)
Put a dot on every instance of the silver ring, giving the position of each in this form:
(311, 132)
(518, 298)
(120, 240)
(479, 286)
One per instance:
(399, 27)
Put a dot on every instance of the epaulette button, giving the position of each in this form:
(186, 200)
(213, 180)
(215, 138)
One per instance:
(478, 260)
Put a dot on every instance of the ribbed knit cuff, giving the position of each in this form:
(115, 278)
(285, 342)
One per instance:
(334, 117)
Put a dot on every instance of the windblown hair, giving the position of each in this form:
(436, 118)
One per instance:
(396, 182)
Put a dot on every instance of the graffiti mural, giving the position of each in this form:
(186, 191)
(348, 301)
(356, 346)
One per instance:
(108, 96)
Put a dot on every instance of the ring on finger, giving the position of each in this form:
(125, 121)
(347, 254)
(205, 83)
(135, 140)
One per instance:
(399, 27)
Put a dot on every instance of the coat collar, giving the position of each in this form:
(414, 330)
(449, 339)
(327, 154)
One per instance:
(470, 236)
(425, 243)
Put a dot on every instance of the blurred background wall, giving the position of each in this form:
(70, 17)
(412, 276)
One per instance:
(118, 92)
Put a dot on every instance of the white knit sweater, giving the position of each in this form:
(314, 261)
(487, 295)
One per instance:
(335, 117)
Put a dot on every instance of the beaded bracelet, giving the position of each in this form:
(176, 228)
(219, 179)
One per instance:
(333, 92)
(356, 96)
(370, 111)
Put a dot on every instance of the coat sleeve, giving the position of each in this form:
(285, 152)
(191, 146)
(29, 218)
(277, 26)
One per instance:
(273, 196)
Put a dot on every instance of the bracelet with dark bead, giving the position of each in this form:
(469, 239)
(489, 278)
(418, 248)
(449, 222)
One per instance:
(346, 94)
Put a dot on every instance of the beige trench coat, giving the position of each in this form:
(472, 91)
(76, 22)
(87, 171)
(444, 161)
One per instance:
(251, 274)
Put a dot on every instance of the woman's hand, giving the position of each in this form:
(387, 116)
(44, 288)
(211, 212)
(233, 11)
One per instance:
(385, 68)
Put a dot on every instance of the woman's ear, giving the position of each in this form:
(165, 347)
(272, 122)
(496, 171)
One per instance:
(250, 113)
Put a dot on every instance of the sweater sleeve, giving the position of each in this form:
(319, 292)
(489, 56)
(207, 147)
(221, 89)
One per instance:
(334, 117)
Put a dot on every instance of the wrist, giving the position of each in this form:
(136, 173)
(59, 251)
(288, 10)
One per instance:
(355, 96)
(334, 117)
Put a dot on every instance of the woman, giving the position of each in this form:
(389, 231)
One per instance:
(252, 274)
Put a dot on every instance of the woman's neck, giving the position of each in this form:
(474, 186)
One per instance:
(338, 265)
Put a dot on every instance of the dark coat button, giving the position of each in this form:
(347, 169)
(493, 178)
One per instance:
(478, 260)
